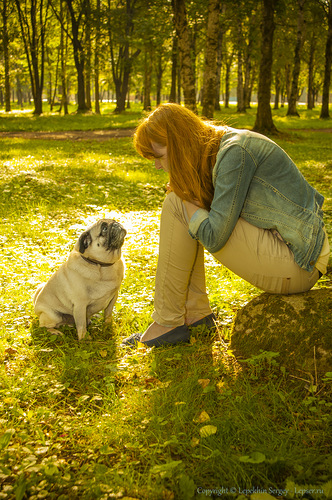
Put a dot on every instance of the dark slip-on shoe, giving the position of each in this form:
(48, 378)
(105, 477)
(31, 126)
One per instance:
(178, 334)
(174, 336)
(208, 321)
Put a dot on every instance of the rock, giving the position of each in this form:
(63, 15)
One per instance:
(299, 327)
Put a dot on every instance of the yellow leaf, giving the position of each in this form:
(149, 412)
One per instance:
(220, 385)
(203, 417)
(194, 442)
(103, 353)
(204, 382)
(208, 430)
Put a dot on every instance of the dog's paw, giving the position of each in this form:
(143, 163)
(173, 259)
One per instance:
(54, 331)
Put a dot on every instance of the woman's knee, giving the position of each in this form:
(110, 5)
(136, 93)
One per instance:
(174, 205)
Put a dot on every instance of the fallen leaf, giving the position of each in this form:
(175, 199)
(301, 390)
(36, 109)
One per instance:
(220, 385)
(204, 382)
(194, 442)
(10, 351)
(103, 353)
(203, 417)
(208, 430)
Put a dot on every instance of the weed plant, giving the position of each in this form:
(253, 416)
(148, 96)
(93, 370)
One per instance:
(92, 420)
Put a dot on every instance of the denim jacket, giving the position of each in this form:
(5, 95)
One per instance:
(255, 179)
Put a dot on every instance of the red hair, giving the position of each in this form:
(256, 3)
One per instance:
(192, 146)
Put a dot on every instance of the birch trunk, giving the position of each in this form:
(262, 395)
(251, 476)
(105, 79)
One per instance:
(187, 69)
(210, 62)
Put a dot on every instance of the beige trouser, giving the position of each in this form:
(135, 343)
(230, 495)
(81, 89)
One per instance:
(257, 255)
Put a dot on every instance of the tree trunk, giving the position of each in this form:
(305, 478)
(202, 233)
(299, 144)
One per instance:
(63, 52)
(264, 122)
(227, 79)
(218, 70)
(33, 35)
(121, 68)
(88, 51)
(240, 88)
(172, 97)
(5, 47)
(159, 72)
(297, 61)
(277, 89)
(311, 102)
(78, 55)
(97, 96)
(147, 78)
(210, 59)
(328, 62)
(187, 68)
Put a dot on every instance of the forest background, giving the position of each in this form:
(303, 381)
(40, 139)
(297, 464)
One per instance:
(196, 51)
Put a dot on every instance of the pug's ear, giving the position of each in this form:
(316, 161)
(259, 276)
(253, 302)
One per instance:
(84, 241)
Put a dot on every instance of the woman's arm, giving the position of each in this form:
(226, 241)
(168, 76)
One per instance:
(233, 174)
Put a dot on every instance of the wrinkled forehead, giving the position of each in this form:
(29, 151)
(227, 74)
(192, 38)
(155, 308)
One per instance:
(96, 228)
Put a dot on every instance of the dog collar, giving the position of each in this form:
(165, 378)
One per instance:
(96, 262)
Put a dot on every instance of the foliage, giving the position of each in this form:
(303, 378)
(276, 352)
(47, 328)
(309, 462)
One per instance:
(115, 35)
(92, 420)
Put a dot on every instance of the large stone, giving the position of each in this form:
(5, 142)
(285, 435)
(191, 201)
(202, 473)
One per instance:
(299, 327)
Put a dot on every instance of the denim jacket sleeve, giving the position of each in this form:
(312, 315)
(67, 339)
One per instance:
(232, 175)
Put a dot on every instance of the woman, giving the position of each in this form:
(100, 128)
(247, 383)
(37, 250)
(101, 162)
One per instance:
(237, 194)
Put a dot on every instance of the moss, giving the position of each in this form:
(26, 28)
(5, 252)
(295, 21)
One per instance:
(299, 327)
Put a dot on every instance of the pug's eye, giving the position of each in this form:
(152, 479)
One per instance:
(104, 229)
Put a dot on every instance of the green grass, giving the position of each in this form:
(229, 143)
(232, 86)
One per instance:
(90, 420)
(19, 120)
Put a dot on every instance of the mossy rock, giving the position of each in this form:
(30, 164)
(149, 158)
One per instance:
(299, 327)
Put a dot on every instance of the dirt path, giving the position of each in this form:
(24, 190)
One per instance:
(72, 135)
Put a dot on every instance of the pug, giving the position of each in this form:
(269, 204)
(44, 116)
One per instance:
(88, 282)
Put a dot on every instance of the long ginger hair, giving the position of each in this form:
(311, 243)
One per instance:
(192, 146)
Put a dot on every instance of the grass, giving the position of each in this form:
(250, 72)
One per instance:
(90, 420)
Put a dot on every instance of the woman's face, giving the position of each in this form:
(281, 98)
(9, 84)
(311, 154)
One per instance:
(161, 162)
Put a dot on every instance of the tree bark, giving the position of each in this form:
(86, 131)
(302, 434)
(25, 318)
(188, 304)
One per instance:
(310, 101)
(88, 52)
(297, 61)
(172, 97)
(218, 70)
(187, 68)
(328, 62)
(159, 73)
(210, 60)
(63, 52)
(79, 57)
(122, 66)
(96, 74)
(33, 34)
(5, 47)
(264, 122)
(147, 79)
(240, 88)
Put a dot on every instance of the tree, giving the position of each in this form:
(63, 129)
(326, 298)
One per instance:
(187, 68)
(78, 18)
(33, 17)
(327, 4)
(264, 122)
(120, 49)
(64, 97)
(210, 60)
(5, 47)
(97, 49)
(297, 60)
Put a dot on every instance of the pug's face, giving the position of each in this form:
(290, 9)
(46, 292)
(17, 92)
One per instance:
(102, 241)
